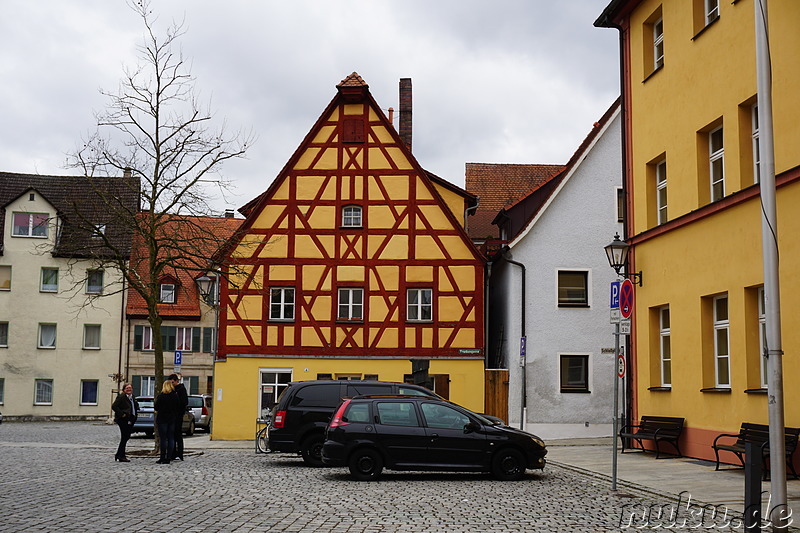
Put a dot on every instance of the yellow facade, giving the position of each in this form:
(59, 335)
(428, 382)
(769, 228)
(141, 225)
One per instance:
(705, 248)
(352, 264)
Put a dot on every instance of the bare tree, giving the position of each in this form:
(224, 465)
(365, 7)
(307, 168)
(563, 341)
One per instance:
(155, 131)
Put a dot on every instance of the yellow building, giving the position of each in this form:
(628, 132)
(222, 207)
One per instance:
(693, 208)
(352, 264)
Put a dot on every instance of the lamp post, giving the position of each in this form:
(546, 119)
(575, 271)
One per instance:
(208, 285)
(617, 253)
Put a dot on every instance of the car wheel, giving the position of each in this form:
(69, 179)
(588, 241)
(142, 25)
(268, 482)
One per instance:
(311, 450)
(190, 431)
(208, 427)
(508, 465)
(365, 465)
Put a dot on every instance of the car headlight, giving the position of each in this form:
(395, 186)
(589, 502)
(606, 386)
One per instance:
(539, 442)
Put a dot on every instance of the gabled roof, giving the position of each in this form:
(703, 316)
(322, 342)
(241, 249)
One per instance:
(81, 203)
(540, 197)
(499, 184)
(206, 233)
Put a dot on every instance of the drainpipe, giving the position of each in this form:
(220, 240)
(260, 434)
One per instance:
(473, 209)
(523, 391)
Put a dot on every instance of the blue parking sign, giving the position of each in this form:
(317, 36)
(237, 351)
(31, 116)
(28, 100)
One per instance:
(178, 356)
(615, 295)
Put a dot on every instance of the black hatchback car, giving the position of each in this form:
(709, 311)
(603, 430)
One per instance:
(303, 410)
(416, 433)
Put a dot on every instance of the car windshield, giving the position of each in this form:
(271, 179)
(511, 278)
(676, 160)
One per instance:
(195, 401)
(145, 403)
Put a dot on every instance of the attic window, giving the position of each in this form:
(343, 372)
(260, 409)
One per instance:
(31, 197)
(98, 231)
(167, 293)
(30, 225)
(353, 130)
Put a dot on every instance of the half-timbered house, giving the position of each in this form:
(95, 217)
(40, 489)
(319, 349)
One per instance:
(354, 264)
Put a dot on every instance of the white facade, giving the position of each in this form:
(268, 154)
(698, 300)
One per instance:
(566, 235)
(62, 341)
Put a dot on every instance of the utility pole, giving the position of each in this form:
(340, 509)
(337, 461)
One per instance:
(778, 514)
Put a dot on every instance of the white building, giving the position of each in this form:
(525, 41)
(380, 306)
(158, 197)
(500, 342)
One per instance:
(61, 313)
(556, 236)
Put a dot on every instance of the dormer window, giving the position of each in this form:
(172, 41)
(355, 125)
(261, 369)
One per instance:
(30, 225)
(98, 231)
(351, 216)
(167, 294)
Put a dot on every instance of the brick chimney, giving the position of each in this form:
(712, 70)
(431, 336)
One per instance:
(405, 111)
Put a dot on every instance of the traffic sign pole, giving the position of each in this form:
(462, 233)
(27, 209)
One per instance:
(615, 425)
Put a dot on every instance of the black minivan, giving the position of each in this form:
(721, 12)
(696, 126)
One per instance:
(303, 410)
(368, 434)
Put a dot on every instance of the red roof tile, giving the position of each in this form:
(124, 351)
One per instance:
(500, 184)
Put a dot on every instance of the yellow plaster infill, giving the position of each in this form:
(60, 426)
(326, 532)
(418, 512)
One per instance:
(382, 135)
(329, 160)
(389, 339)
(373, 115)
(464, 338)
(311, 278)
(310, 338)
(238, 278)
(282, 192)
(323, 217)
(396, 249)
(281, 273)
(357, 337)
(353, 109)
(377, 160)
(422, 192)
(464, 276)
(322, 309)
(250, 307)
(353, 157)
(350, 273)
(307, 187)
(236, 335)
(278, 246)
(435, 217)
(399, 158)
(450, 308)
(304, 162)
(324, 134)
(382, 217)
(397, 187)
(306, 248)
(268, 217)
(389, 276)
(456, 247)
(454, 202)
(377, 308)
(427, 249)
(422, 274)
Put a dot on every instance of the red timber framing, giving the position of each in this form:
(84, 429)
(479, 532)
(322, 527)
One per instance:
(296, 238)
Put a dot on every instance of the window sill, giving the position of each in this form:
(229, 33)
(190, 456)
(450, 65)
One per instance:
(573, 306)
(92, 348)
(699, 33)
(657, 69)
(349, 320)
(48, 292)
(756, 391)
(724, 390)
(46, 347)
(419, 321)
(42, 404)
(350, 227)
(575, 391)
(30, 236)
(660, 389)
(285, 320)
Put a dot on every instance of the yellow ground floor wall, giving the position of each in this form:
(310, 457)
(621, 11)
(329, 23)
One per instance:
(685, 269)
(236, 384)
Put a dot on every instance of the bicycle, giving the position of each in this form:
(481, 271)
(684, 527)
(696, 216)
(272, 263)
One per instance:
(262, 435)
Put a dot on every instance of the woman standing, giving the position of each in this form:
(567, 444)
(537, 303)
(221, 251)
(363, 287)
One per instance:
(168, 414)
(125, 408)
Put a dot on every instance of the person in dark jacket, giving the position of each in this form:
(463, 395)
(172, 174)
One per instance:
(125, 409)
(183, 398)
(168, 413)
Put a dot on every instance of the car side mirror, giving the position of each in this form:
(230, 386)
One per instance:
(471, 427)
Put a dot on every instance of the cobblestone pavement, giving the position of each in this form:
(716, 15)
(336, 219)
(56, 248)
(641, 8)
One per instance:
(60, 476)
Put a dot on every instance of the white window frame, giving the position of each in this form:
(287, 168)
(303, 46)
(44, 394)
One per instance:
(711, 10)
(183, 338)
(567, 303)
(715, 156)
(147, 386)
(348, 308)
(280, 306)
(756, 144)
(4, 327)
(417, 307)
(48, 287)
(352, 216)
(722, 325)
(39, 341)
(665, 346)
(762, 338)
(661, 191)
(147, 339)
(166, 293)
(658, 43)
(86, 328)
(43, 392)
(92, 287)
(31, 228)
(278, 386)
(97, 391)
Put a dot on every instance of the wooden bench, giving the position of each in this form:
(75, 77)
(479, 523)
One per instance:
(758, 434)
(654, 428)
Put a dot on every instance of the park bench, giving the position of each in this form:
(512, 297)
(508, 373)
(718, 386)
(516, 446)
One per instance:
(655, 428)
(758, 434)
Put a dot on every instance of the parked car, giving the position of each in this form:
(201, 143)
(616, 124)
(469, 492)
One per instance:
(304, 409)
(370, 433)
(145, 418)
(200, 406)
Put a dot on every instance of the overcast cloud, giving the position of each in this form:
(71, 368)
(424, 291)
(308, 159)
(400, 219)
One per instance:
(507, 81)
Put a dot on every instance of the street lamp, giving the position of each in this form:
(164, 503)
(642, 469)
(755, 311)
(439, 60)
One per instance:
(209, 290)
(617, 253)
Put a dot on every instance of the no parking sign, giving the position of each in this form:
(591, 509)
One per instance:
(626, 298)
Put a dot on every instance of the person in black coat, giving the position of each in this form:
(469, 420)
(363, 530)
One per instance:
(168, 412)
(125, 409)
(183, 398)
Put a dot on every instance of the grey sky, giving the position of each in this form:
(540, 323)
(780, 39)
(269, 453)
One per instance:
(507, 81)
